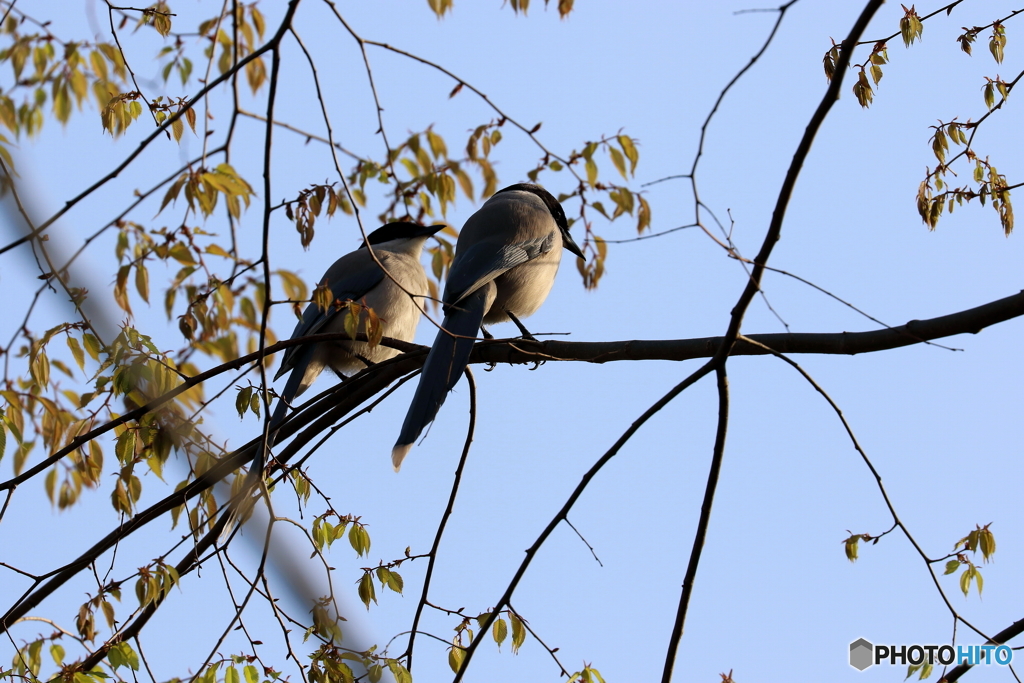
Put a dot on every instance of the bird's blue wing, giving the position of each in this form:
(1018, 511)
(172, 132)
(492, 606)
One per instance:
(345, 286)
(485, 261)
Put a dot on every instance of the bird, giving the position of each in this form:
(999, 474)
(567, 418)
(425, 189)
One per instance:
(505, 262)
(357, 277)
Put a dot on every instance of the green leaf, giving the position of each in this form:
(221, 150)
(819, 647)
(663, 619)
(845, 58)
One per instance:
(987, 543)
(242, 400)
(366, 590)
(142, 281)
(437, 145)
(76, 353)
(456, 655)
(499, 630)
(359, 539)
(352, 319)
(851, 544)
(122, 654)
(629, 149)
(400, 673)
(131, 657)
(518, 632)
(997, 42)
(39, 368)
(50, 485)
(108, 613)
(591, 172)
(618, 160)
(162, 23)
(396, 582)
(124, 449)
(876, 73)
(115, 658)
(181, 253)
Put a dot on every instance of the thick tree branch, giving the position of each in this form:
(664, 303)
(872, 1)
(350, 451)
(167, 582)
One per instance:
(970, 321)
(1008, 633)
(724, 350)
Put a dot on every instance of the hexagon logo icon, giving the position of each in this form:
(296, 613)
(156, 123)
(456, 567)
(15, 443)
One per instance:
(861, 652)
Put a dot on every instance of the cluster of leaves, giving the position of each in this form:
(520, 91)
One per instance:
(39, 399)
(216, 310)
(130, 367)
(433, 175)
(499, 630)
(440, 7)
(933, 196)
(250, 25)
(588, 674)
(27, 663)
(203, 187)
(227, 671)
(61, 73)
(387, 577)
(851, 544)
(324, 533)
(85, 622)
(314, 200)
(624, 155)
(330, 661)
(862, 89)
(981, 538)
(141, 373)
(329, 665)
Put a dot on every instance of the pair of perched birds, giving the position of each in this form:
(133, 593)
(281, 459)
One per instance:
(505, 263)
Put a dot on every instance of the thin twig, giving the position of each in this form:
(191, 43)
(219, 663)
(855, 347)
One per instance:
(585, 542)
(470, 429)
(532, 551)
(700, 536)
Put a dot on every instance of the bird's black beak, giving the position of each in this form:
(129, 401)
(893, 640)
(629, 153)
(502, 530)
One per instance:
(429, 230)
(571, 245)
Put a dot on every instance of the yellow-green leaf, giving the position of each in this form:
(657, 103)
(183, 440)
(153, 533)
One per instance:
(77, 354)
(366, 590)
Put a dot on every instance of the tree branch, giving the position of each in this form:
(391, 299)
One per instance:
(520, 351)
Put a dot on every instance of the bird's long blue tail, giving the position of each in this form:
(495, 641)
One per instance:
(447, 359)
